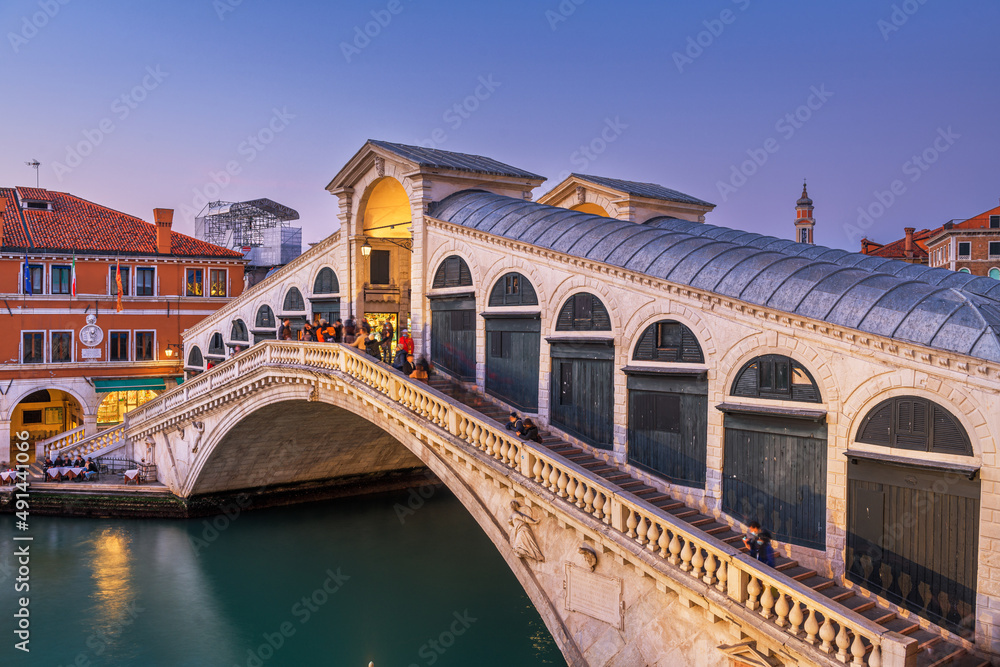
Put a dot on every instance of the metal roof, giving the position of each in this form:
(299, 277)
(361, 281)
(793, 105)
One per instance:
(435, 157)
(648, 190)
(875, 295)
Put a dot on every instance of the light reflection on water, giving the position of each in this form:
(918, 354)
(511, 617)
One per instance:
(111, 569)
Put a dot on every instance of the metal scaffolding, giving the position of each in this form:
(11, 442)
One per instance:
(241, 225)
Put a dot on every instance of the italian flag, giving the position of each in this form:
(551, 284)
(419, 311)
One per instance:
(73, 278)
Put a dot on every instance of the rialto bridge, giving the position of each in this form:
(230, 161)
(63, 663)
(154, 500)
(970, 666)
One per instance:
(690, 378)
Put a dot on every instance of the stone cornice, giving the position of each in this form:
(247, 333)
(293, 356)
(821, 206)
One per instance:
(910, 354)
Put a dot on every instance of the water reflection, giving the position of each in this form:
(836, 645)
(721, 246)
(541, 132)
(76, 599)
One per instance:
(114, 590)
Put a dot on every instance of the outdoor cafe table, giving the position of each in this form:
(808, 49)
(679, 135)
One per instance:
(132, 476)
(67, 472)
(8, 476)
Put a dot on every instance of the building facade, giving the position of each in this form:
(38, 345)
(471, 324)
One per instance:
(97, 302)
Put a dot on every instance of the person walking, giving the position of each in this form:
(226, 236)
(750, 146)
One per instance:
(350, 331)
(387, 334)
(338, 331)
(285, 331)
(406, 341)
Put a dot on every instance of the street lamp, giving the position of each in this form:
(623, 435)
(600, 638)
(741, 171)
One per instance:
(366, 249)
(173, 348)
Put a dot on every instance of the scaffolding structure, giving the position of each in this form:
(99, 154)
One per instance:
(243, 225)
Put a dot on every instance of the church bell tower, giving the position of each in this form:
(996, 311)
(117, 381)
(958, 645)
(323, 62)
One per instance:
(804, 221)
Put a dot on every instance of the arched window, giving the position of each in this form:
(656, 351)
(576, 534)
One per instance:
(995, 273)
(776, 376)
(216, 346)
(964, 271)
(668, 340)
(909, 422)
(583, 312)
(452, 272)
(513, 289)
(194, 358)
(265, 318)
(239, 332)
(293, 300)
(326, 282)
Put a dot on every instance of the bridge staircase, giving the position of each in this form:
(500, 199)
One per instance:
(936, 649)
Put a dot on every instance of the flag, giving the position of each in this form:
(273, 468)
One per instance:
(27, 274)
(73, 278)
(118, 282)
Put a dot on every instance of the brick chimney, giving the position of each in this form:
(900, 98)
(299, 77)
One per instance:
(909, 240)
(164, 220)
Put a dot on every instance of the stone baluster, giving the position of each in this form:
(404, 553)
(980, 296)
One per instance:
(488, 441)
(512, 454)
(675, 549)
(753, 590)
(664, 542)
(811, 627)
(686, 554)
(653, 536)
(571, 489)
(875, 659)
(631, 523)
(723, 576)
(562, 481)
(843, 643)
(580, 492)
(504, 449)
(766, 601)
(827, 633)
(781, 609)
(857, 651)
(641, 530)
(536, 471)
(553, 478)
(599, 500)
(697, 562)
(711, 564)
(588, 500)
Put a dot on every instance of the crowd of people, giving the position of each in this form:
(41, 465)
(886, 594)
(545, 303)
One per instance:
(89, 468)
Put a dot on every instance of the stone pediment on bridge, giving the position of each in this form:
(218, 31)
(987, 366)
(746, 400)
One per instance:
(625, 200)
(746, 653)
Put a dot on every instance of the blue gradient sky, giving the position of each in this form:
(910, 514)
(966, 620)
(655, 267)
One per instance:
(559, 82)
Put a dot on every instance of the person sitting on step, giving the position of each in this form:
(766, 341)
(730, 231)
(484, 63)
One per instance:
(529, 431)
(91, 472)
(513, 423)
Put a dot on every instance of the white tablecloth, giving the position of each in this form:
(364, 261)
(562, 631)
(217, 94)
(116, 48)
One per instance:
(8, 476)
(56, 473)
(131, 475)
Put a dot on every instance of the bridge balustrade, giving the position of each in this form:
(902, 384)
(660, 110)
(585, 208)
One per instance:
(678, 549)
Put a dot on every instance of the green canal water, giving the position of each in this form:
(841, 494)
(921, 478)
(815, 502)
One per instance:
(338, 583)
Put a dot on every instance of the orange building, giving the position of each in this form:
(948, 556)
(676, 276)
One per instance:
(76, 354)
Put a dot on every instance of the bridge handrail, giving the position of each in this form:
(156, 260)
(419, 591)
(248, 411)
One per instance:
(794, 608)
(61, 440)
(94, 445)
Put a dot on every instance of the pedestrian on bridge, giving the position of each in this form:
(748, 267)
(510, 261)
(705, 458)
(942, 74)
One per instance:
(350, 331)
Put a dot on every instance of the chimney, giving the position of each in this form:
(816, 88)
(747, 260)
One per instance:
(909, 240)
(164, 220)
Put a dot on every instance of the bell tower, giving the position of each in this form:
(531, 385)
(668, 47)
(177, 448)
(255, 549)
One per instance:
(804, 221)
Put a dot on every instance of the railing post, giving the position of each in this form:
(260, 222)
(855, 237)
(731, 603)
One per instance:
(453, 419)
(738, 581)
(394, 395)
(618, 514)
(302, 355)
(899, 650)
(527, 463)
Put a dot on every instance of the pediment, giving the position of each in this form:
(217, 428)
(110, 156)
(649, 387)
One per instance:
(746, 653)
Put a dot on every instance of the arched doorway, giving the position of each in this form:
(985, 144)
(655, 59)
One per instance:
(44, 414)
(383, 255)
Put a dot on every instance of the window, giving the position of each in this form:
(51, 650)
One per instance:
(145, 281)
(995, 273)
(144, 350)
(500, 344)
(328, 309)
(33, 347)
(114, 281)
(452, 272)
(668, 340)
(31, 416)
(776, 376)
(583, 312)
(62, 346)
(964, 250)
(118, 343)
(908, 422)
(216, 346)
(994, 248)
(294, 300)
(195, 359)
(803, 235)
(379, 268)
(265, 318)
(326, 282)
(995, 222)
(194, 282)
(217, 282)
(34, 279)
(60, 280)
(964, 271)
(238, 332)
(513, 289)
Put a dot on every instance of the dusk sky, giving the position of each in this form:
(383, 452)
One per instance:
(135, 105)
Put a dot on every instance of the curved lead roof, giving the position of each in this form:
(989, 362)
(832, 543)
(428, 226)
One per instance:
(933, 307)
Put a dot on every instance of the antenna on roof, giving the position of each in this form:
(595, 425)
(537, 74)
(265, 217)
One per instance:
(34, 164)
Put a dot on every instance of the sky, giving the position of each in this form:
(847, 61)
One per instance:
(889, 109)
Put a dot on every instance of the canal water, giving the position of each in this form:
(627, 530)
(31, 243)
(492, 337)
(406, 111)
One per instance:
(338, 583)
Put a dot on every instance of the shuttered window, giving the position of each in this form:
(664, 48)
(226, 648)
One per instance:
(326, 282)
(776, 376)
(910, 422)
(215, 345)
(294, 300)
(583, 312)
(238, 332)
(452, 272)
(513, 289)
(265, 318)
(668, 340)
(195, 358)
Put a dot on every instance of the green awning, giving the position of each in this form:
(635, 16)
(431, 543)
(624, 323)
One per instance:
(129, 384)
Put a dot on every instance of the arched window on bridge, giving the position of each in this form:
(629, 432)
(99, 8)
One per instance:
(293, 301)
(776, 376)
(452, 272)
(583, 312)
(238, 333)
(513, 289)
(668, 406)
(775, 457)
(195, 359)
(931, 566)
(216, 346)
(326, 282)
(265, 318)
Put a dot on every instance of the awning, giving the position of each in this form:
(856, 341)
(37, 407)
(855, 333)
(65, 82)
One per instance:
(129, 384)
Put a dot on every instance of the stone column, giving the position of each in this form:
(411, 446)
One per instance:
(420, 201)
(89, 425)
